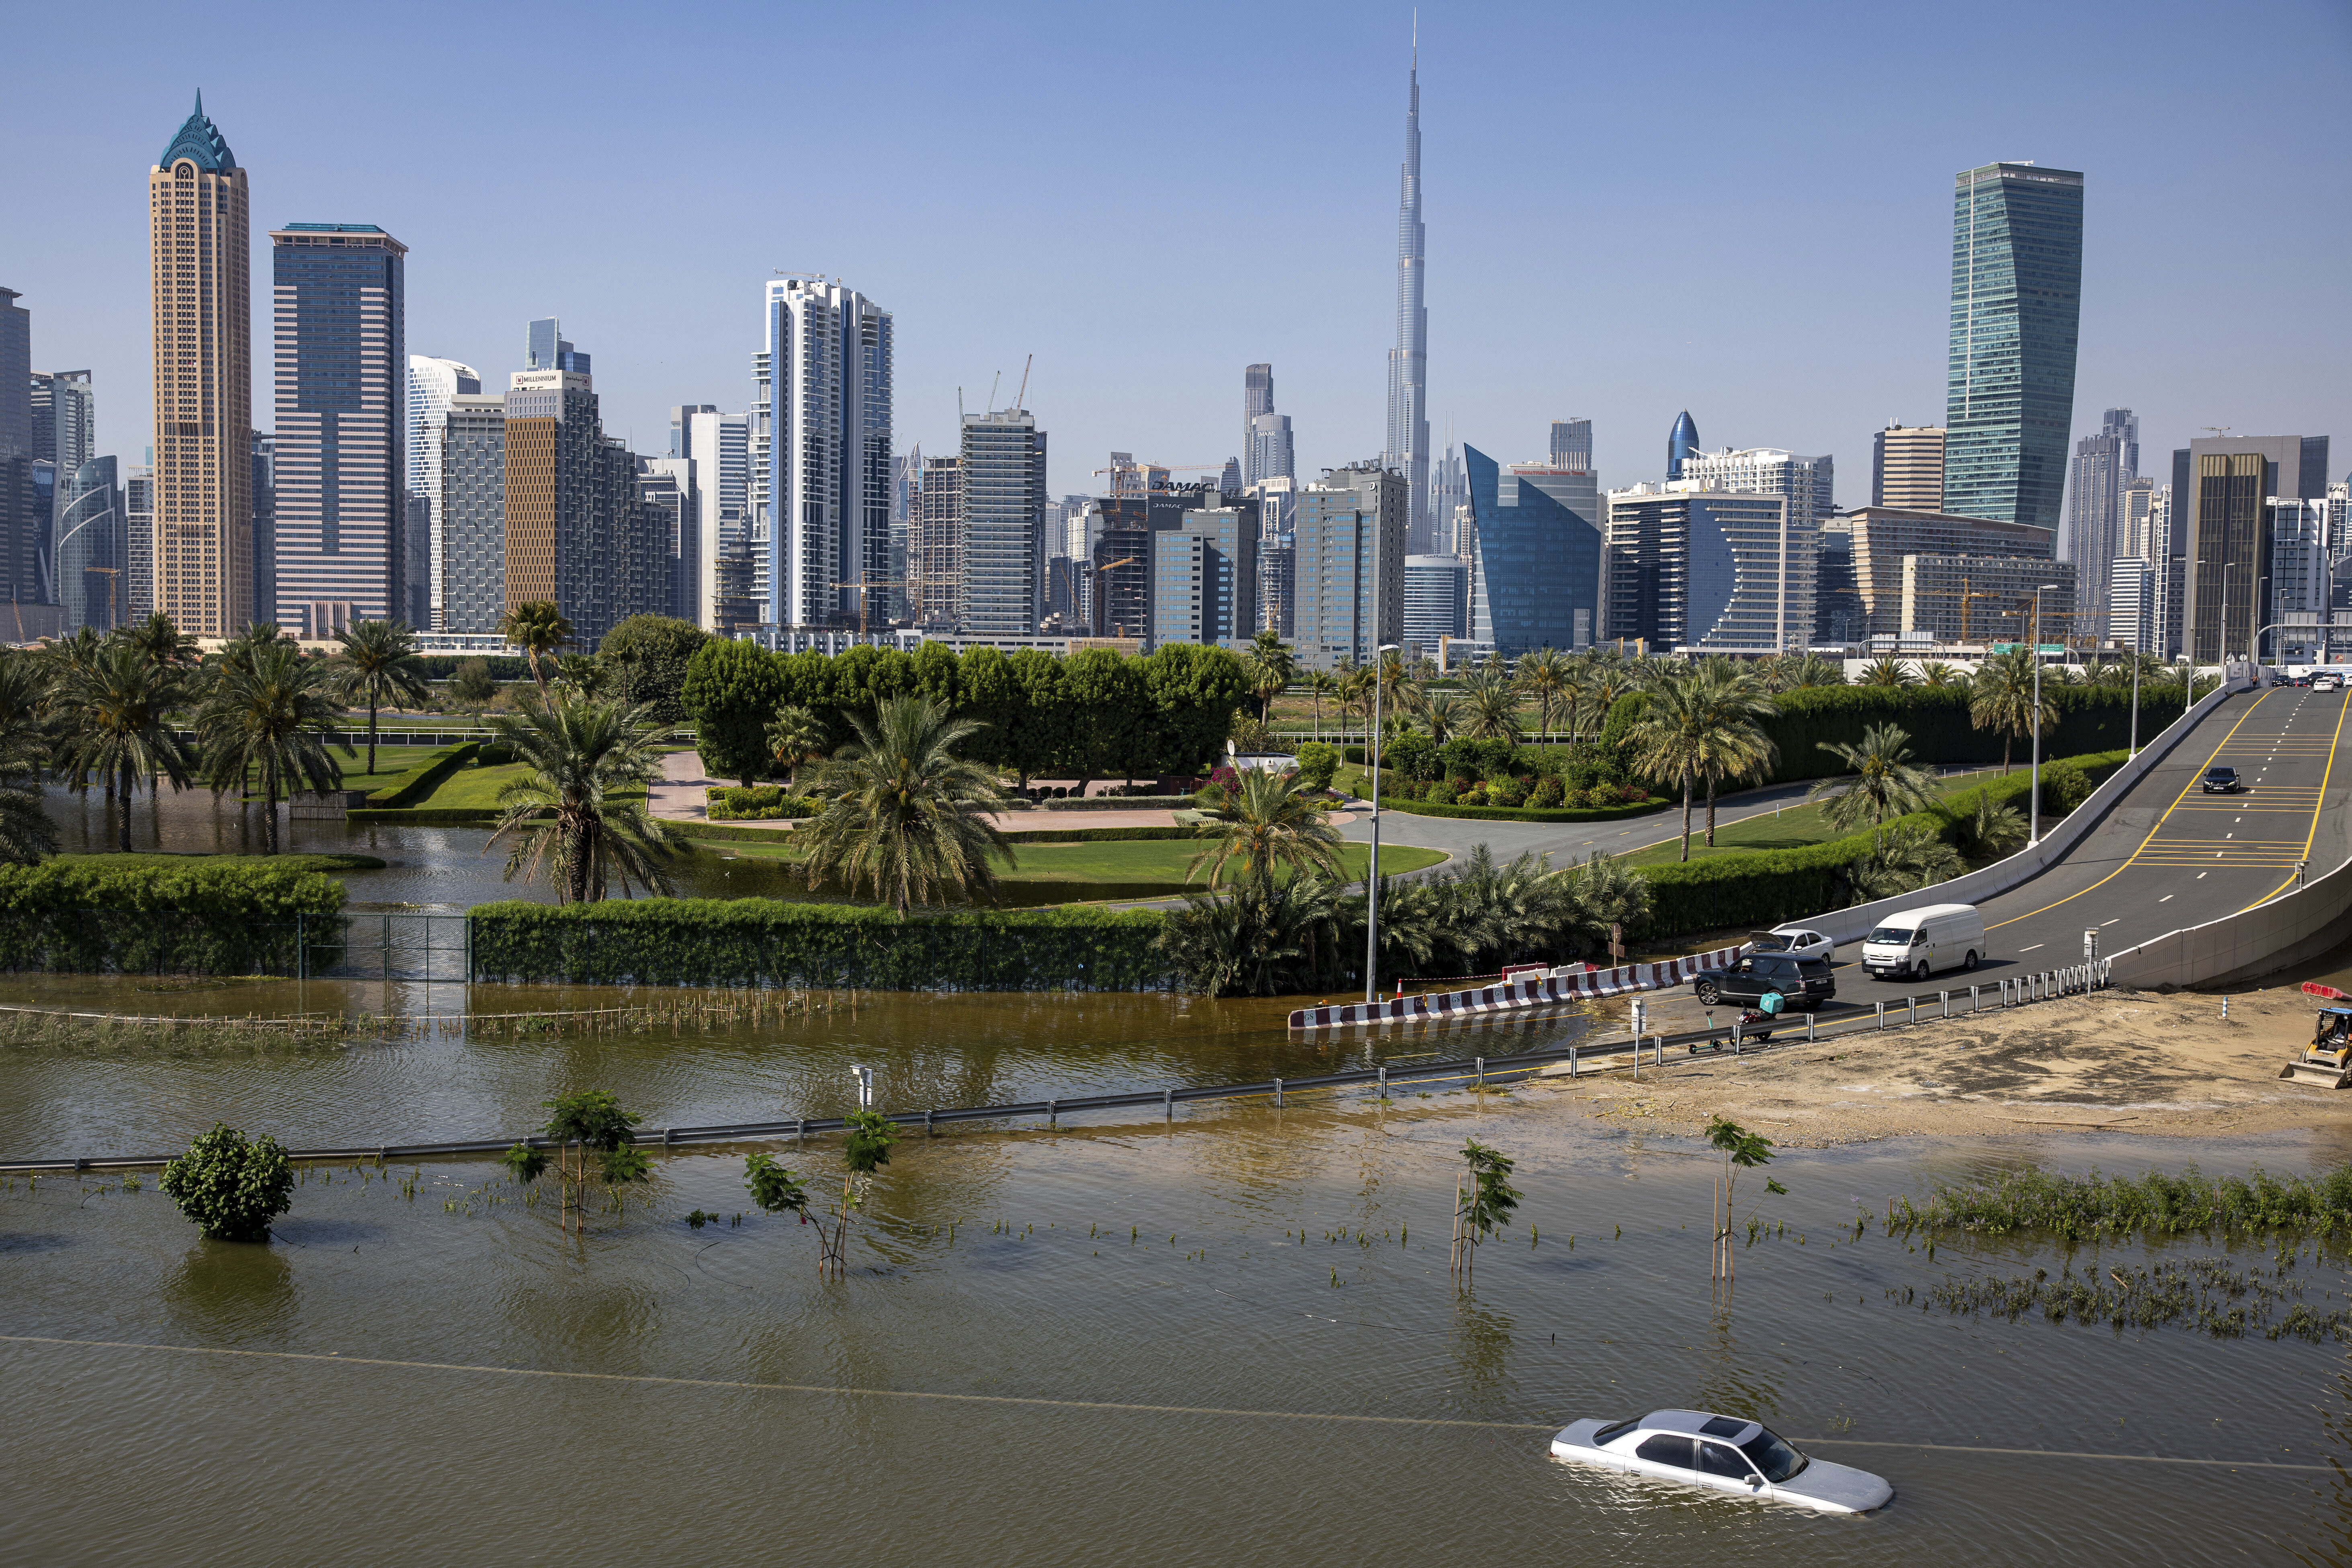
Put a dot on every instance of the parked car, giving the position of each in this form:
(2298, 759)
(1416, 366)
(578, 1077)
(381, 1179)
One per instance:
(1914, 944)
(1802, 941)
(2220, 781)
(1806, 983)
(2328, 683)
(1728, 1454)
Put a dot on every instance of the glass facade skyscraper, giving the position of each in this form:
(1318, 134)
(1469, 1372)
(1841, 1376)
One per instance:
(1682, 442)
(2017, 294)
(1002, 568)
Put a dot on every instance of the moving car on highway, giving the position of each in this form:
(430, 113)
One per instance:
(2220, 781)
(1917, 942)
(1802, 941)
(1729, 1455)
(1804, 983)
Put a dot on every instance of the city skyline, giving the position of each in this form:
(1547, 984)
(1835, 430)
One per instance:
(1806, 378)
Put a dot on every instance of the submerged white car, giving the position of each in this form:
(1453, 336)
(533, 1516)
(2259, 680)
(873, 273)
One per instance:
(1728, 1454)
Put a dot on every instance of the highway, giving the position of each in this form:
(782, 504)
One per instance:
(2168, 856)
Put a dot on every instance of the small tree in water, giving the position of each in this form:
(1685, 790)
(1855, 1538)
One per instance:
(1483, 1199)
(867, 1150)
(593, 1121)
(230, 1187)
(1742, 1151)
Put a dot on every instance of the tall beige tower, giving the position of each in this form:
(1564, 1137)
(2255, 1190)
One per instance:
(204, 383)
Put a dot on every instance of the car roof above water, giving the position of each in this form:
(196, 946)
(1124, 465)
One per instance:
(1733, 1429)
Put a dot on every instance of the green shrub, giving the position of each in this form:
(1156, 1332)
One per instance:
(1441, 793)
(192, 916)
(1318, 764)
(1411, 755)
(231, 1188)
(1430, 805)
(473, 682)
(1600, 796)
(769, 941)
(2064, 786)
(1547, 793)
(1506, 792)
(761, 802)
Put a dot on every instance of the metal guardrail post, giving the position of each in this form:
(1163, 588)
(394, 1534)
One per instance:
(1911, 1010)
(1167, 1103)
(1948, 1002)
(1975, 998)
(1571, 1062)
(1052, 1106)
(1384, 1077)
(1882, 1015)
(1808, 1027)
(1278, 1094)
(1482, 1075)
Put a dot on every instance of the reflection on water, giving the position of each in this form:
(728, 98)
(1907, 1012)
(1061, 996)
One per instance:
(1109, 1279)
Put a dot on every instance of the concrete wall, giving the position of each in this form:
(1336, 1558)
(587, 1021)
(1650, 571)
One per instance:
(1843, 926)
(2247, 945)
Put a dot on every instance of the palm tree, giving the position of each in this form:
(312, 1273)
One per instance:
(1699, 727)
(1491, 710)
(575, 813)
(795, 735)
(1268, 820)
(536, 627)
(25, 832)
(378, 665)
(161, 643)
(1741, 696)
(1547, 673)
(1995, 830)
(1445, 714)
(1888, 670)
(1907, 859)
(1354, 682)
(119, 733)
(1813, 670)
(1263, 938)
(903, 812)
(267, 712)
(1319, 684)
(1270, 668)
(1936, 672)
(2001, 698)
(1880, 780)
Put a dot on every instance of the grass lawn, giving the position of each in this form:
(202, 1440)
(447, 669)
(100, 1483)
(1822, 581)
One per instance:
(476, 788)
(1152, 864)
(1796, 827)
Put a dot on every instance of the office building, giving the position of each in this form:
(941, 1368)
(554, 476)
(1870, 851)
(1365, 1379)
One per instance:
(1535, 538)
(2137, 525)
(1682, 443)
(2301, 579)
(1572, 445)
(1988, 598)
(1906, 467)
(65, 418)
(1257, 399)
(1269, 455)
(200, 231)
(1706, 571)
(1809, 483)
(719, 447)
(1348, 564)
(1449, 491)
(1000, 578)
(2222, 491)
(2016, 289)
(2132, 605)
(546, 348)
(1436, 602)
(432, 383)
(820, 440)
(340, 297)
(471, 578)
(2094, 536)
(92, 537)
(1204, 578)
(1838, 618)
(937, 570)
(672, 522)
(21, 531)
(1408, 440)
(137, 544)
(1883, 536)
(265, 521)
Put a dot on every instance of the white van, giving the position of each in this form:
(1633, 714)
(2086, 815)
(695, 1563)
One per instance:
(1915, 943)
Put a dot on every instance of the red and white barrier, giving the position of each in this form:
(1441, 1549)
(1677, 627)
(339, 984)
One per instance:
(1573, 984)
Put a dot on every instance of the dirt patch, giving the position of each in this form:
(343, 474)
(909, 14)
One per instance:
(2114, 1060)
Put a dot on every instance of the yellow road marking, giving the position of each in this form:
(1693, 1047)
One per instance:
(2317, 806)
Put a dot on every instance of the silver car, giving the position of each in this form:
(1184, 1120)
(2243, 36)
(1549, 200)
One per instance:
(1725, 1453)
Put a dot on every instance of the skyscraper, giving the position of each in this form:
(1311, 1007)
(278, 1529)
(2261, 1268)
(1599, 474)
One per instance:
(432, 383)
(1906, 467)
(1348, 591)
(1809, 483)
(1408, 442)
(471, 589)
(91, 533)
(719, 445)
(264, 524)
(820, 455)
(1001, 578)
(1534, 575)
(341, 517)
(1449, 488)
(1257, 397)
(65, 418)
(2104, 464)
(20, 531)
(1712, 571)
(1269, 456)
(2017, 294)
(200, 235)
(1682, 442)
(2221, 503)
(937, 570)
(1572, 445)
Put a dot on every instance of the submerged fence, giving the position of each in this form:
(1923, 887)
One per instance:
(1914, 1012)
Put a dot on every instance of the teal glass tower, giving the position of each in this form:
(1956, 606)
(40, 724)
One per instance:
(2017, 296)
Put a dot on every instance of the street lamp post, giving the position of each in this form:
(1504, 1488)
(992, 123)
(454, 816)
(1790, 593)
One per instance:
(1380, 651)
(2035, 642)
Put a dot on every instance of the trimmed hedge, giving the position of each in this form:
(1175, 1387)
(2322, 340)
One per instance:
(1526, 813)
(1018, 835)
(439, 766)
(428, 816)
(770, 942)
(761, 802)
(1766, 886)
(82, 916)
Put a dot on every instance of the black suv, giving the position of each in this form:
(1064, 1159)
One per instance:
(1804, 982)
(2220, 781)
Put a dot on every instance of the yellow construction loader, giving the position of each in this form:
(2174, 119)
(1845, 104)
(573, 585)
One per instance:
(2327, 1062)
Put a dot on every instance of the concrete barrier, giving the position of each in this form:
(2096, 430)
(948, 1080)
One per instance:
(2247, 945)
(1847, 925)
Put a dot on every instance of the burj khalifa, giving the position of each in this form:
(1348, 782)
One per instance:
(1408, 438)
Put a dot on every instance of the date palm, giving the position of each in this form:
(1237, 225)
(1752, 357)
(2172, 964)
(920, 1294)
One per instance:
(2000, 698)
(378, 666)
(1936, 672)
(1888, 670)
(1697, 728)
(119, 703)
(25, 832)
(795, 736)
(1267, 821)
(266, 716)
(1320, 684)
(1355, 689)
(579, 813)
(1907, 859)
(1443, 714)
(1544, 672)
(161, 643)
(1270, 668)
(903, 813)
(537, 627)
(1880, 780)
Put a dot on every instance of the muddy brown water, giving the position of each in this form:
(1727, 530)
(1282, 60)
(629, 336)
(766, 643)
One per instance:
(1228, 1341)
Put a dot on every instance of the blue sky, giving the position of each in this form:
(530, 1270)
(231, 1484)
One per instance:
(1741, 210)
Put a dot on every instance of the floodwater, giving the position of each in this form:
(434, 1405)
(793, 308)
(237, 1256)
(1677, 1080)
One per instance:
(1227, 1340)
